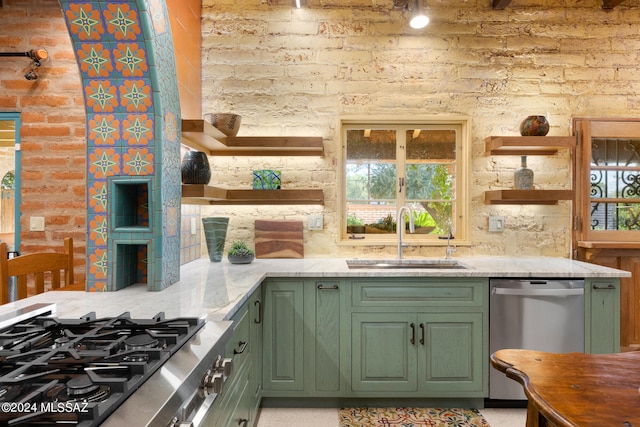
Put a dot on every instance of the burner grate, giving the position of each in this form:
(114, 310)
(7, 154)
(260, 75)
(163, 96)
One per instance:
(98, 362)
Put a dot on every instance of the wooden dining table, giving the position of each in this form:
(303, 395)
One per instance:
(576, 389)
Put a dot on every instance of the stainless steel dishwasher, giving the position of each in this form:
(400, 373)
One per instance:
(533, 314)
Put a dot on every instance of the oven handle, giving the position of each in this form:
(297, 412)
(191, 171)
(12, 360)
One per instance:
(201, 414)
(539, 292)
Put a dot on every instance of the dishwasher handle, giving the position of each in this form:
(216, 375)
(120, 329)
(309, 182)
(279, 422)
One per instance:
(539, 292)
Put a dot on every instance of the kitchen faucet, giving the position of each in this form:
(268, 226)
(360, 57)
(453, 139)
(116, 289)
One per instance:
(400, 226)
(449, 248)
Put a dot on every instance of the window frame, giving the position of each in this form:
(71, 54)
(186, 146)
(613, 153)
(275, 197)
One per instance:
(462, 125)
(588, 129)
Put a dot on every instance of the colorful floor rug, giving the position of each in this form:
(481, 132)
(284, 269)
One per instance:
(411, 417)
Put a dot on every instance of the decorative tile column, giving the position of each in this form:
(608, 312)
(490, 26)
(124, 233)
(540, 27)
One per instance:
(125, 54)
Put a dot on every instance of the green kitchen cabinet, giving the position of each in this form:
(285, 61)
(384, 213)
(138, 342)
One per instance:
(418, 355)
(326, 338)
(602, 315)
(384, 355)
(283, 335)
(419, 338)
(304, 338)
(239, 400)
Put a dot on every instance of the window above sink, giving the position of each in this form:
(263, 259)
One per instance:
(423, 163)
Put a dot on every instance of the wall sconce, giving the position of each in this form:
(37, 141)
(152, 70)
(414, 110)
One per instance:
(299, 3)
(418, 18)
(38, 56)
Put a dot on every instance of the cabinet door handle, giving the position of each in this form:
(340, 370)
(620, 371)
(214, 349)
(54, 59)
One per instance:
(413, 333)
(422, 329)
(241, 348)
(258, 306)
(331, 287)
(604, 288)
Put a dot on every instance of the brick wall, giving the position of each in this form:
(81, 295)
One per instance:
(53, 125)
(294, 72)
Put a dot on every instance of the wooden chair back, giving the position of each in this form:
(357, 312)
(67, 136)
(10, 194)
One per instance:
(35, 269)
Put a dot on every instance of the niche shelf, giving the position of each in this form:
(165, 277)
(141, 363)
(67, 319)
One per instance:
(527, 146)
(202, 136)
(196, 194)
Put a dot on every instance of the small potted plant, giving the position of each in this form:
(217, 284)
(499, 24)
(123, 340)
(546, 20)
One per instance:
(240, 253)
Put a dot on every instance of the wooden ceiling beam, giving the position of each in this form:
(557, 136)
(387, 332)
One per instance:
(501, 4)
(610, 4)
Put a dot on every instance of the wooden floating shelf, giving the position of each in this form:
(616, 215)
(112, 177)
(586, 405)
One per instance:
(202, 136)
(531, 197)
(527, 145)
(608, 245)
(197, 194)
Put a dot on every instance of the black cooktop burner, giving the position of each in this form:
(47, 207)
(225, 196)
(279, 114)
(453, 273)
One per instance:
(140, 341)
(80, 385)
(78, 371)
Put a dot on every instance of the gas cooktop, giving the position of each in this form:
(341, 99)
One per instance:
(78, 371)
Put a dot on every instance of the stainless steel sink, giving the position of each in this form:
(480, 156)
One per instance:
(405, 263)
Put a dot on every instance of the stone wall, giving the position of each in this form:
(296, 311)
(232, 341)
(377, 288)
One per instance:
(295, 72)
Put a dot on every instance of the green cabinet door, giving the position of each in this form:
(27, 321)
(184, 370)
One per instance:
(602, 315)
(383, 352)
(283, 334)
(323, 342)
(450, 355)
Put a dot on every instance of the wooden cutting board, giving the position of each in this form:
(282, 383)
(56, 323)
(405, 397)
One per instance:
(279, 239)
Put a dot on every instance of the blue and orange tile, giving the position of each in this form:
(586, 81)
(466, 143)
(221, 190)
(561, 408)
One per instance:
(104, 162)
(137, 161)
(122, 22)
(137, 129)
(98, 232)
(97, 286)
(97, 197)
(136, 96)
(130, 60)
(103, 129)
(97, 263)
(101, 96)
(84, 21)
(94, 60)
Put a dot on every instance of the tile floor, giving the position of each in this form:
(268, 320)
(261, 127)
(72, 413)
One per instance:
(328, 417)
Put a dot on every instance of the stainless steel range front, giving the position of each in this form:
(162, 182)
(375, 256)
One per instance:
(109, 371)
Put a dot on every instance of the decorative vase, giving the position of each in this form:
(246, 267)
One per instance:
(523, 177)
(534, 126)
(195, 168)
(215, 234)
(241, 259)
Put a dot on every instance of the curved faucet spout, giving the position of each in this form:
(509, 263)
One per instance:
(400, 226)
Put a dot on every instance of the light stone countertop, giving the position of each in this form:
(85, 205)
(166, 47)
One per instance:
(216, 290)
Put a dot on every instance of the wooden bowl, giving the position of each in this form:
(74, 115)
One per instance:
(227, 123)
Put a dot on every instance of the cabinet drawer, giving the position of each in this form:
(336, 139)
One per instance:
(418, 293)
